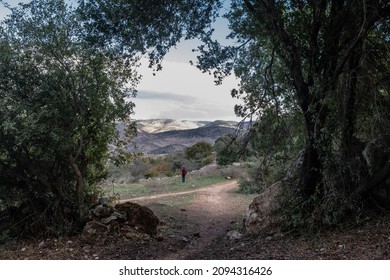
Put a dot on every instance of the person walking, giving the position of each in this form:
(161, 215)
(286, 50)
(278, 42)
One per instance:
(183, 173)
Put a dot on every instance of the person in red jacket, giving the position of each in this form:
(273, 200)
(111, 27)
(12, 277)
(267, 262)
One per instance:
(183, 173)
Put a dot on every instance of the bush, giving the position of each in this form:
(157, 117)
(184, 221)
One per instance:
(228, 149)
(247, 187)
(260, 176)
(198, 151)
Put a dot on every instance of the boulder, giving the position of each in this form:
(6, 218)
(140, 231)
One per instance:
(129, 220)
(139, 216)
(260, 217)
(94, 231)
(102, 211)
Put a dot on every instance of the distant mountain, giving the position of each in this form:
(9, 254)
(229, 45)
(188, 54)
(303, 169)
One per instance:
(162, 125)
(162, 136)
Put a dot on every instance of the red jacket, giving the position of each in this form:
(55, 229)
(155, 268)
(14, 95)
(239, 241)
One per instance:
(183, 171)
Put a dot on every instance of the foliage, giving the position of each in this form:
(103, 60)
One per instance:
(310, 71)
(322, 64)
(60, 100)
(148, 166)
(228, 149)
(147, 27)
(199, 150)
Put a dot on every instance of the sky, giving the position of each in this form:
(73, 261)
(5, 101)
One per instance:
(180, 91)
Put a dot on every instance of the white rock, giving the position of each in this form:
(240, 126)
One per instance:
(234, 235)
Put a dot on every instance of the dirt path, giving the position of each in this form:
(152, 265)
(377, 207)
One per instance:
(215, 189)
(195, 226)
(211, 211)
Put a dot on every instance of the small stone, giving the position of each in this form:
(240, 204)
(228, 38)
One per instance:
(182, 238)
(234, 235)
(268, 238)
(40, 245)
(94, 255)
(23, 249)
(70, 242)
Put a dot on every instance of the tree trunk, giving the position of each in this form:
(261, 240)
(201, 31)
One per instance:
(80, 184)
(349, 100)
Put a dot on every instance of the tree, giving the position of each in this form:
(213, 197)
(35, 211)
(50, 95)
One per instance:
(60, 101)
(310, 61)
(317, 56)
(135, 27)
(228, 149)
(198, 151)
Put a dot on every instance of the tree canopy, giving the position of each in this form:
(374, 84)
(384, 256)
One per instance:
(325, 65)
(314, 76)
(60, 100)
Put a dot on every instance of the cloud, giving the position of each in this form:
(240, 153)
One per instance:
(180, 91)
(197, 112)
(159, 95)
(160, 105)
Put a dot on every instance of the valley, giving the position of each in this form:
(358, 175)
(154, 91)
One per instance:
(164, 136)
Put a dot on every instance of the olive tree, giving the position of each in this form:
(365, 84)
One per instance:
(324, 63)
(60, 101)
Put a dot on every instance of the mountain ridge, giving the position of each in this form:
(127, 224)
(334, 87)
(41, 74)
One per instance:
(162, 136)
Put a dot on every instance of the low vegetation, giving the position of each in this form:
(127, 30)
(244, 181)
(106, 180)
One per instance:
(149, 174)
(154, 186)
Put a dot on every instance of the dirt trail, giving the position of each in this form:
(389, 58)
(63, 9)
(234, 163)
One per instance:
(212, 210)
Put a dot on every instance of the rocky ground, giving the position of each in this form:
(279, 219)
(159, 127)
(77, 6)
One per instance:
(208, 225)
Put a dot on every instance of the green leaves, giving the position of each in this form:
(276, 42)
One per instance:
(60, 100)
(145, 27)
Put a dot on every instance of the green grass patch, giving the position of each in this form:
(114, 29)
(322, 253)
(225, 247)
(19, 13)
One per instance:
(160, 185)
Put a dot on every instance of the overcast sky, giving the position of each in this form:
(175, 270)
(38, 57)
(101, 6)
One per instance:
(180, 91)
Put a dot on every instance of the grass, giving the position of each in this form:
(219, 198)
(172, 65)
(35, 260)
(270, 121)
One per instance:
(160, 185)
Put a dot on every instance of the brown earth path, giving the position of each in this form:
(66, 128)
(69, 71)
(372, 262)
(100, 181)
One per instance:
(212, 210)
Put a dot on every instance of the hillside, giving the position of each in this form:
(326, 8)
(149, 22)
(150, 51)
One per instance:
(167, 136)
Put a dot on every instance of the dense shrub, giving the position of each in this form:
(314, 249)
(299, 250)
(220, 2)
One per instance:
(198, 151)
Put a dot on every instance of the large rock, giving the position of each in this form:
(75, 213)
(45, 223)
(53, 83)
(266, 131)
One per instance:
(139, 216)
(129, 220)
(260, 218)
(94, 231)
(102, 211)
